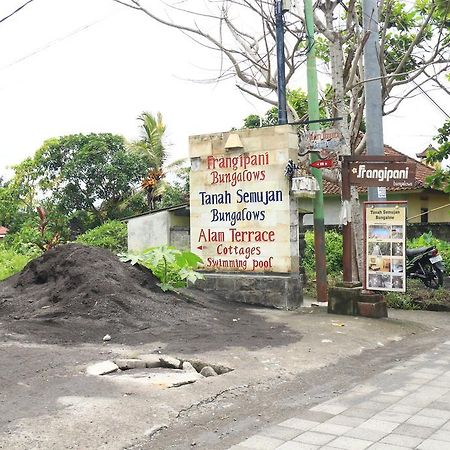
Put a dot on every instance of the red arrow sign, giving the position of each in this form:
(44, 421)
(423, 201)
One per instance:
(322, 163)
(201, 247)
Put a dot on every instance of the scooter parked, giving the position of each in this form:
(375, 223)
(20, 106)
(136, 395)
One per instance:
(426, 264)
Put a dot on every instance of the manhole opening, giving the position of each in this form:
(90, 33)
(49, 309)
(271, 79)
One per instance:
(160, 370)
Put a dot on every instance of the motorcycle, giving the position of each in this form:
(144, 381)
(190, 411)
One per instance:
(426, 264)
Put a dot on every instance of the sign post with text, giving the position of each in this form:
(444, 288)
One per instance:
(385, 237)
(243, 218)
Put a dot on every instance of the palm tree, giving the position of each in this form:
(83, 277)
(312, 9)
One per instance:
(151, 146)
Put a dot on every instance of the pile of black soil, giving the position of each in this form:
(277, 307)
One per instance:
(75, 293)
(78, 281)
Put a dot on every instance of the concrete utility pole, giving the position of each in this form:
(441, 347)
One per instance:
(314, 115)
(374, 106)
(280, 9)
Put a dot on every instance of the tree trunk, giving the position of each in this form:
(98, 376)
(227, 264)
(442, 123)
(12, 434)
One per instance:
(340, 110)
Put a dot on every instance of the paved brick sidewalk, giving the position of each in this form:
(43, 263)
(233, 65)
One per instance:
(407, 406)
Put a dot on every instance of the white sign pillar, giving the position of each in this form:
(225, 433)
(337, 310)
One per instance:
(243, 218)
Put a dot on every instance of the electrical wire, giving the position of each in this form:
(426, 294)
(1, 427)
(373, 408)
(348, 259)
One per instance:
(54, 42)
(15, 11)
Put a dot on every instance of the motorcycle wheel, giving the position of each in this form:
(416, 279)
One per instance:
(435, 277)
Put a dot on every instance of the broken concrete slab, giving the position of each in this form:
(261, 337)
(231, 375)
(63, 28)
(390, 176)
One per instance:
(151, 360)
(208, 371)
(102, 368)
(188, 367)
(127, 364)
(170, 362)
(160, 377)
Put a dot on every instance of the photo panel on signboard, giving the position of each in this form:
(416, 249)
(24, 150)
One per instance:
(381, 232)
(375, 280)
(397, 282)
(375, 263)
(397, 265)
(385, 264)
(386, 281)
(397, 232)
(397, 249)
(379, 248)
(379, 281)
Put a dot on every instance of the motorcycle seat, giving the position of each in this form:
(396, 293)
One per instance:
(417, 251)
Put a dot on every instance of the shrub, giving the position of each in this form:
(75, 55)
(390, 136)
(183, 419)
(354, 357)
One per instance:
(111, 235)
(12, 262)
(400, 300)
(333, 248)
(173, 268)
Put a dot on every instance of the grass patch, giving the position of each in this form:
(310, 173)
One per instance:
(12, 262)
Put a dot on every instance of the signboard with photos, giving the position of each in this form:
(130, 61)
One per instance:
(385, 237)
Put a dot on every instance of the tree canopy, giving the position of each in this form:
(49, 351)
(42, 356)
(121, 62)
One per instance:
(85, 178)
(441, 179)
(91, 172)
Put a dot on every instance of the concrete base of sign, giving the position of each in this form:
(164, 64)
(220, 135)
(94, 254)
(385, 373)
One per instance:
(344, 300)
(353, 301)
(284, 291)
(376, 310)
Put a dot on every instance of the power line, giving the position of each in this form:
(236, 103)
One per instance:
(16, 11)
(54, 42)
(432, 100)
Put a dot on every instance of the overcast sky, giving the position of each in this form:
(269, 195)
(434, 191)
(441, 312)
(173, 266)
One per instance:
(80, 66)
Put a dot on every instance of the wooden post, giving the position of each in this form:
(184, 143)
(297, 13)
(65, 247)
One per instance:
(347, 228)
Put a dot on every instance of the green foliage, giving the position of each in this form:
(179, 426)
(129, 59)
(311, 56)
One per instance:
(176, 192)
(9, 206)
(297, 100)
(400, 300)
(36, 234)
(12, 262)
(441, 178)
(417, 296)
(88, 172)
(111, 235)
(151, 145)
(253, 121)
(426, 240)
(174, 268)
(333, 248)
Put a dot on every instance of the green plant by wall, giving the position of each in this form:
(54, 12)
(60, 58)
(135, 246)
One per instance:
(174, 268)
(111, 235)
(400, 300)
(333, 248)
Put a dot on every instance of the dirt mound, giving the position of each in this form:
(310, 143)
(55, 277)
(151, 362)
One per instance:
(78, 294)
(78, 281)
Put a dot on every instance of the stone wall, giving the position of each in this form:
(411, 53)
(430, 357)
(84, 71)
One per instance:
(278, 291)
(180, 238)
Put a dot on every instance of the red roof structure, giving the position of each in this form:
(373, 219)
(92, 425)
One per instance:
(422, 171)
